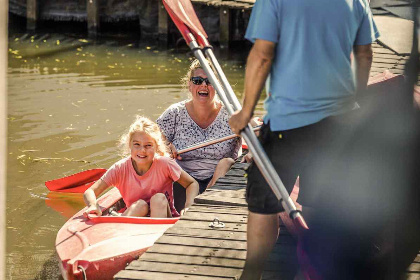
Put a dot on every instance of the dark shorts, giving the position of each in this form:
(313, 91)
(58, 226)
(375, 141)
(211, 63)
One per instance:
(293, 153)
(180, 194)
(203, 184)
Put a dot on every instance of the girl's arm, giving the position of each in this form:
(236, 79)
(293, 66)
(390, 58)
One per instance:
(191, 188)
(90, 197)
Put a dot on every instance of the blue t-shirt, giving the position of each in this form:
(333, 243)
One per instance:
(311, 76)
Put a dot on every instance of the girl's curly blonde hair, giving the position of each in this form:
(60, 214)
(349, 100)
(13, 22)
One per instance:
(143, 124)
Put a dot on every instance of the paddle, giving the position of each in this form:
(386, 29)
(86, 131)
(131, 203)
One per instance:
(184, 17)
(80, 182)
(76, 183)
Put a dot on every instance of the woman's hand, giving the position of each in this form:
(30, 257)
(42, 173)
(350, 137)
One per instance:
(247, 158)
(93, 209)
(173, 152)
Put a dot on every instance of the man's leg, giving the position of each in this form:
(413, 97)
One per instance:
(262, 233)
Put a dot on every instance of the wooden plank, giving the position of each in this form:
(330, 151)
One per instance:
(163, 26)
(394, 60)
(188, 269)
(412, 276)
(235, 173)
(209, 217)
(218, 200)
(195, 251)
(194, 260)
(147, 275)
(241, 181)
(32, 14)
(200, 243)
(414, 267)
(223, 197)
(388, 55)
(205, 225)
(207, 233)
(219, 208)
(247, 1)
(92, 11)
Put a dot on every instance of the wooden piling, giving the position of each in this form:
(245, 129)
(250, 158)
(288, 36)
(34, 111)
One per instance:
(224, 26)
(163, 24)
(92, 11)
(32, 14)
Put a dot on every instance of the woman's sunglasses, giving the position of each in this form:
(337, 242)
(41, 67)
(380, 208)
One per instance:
(199, 80)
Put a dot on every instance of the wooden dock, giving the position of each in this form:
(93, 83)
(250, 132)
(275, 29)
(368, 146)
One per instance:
(192, 249)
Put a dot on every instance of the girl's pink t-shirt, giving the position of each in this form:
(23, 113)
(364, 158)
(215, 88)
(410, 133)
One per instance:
(158, 179)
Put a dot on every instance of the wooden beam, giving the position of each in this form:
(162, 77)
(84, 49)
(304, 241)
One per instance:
(224, 27)
(163, 25)
(92, 11)
(32, 14)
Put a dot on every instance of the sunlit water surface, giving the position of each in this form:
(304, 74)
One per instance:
(69, 100)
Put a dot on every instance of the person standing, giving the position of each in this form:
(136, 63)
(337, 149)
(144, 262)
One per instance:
(306, 47)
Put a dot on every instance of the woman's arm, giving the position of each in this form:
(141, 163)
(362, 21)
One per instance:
(191, 188)
(90, 197)
(173, 153)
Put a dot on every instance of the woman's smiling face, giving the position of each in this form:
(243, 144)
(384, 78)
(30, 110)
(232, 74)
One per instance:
(143, 148)
(203, 92)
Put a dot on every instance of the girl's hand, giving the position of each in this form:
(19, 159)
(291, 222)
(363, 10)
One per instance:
(93, 209)
(183, 211)
(173, 152)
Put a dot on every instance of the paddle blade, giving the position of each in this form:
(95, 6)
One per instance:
(185, 18)
(76, 183)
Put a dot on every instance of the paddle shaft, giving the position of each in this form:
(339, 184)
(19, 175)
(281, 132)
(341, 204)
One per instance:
(259, 155)
(211, 142)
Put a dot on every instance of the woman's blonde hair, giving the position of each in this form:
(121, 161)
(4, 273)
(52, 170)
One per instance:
(143, 124)
(195, 64)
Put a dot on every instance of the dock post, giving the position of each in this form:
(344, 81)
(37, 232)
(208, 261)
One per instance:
(224, 27)
(163, 25)
(92, 11)
(32, 14)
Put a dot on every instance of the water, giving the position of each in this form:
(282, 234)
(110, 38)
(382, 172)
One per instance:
(69, 99)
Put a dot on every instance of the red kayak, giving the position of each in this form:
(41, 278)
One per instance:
(98, 247)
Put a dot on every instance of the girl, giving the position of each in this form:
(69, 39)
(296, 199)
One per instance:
(145, 177)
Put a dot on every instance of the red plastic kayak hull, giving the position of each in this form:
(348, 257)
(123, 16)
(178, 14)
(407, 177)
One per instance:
(99, 247)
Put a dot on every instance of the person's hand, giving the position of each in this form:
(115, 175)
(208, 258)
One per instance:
(93, 209)
(238, 121)
(183, 211)
(247, 158)
(173, 152)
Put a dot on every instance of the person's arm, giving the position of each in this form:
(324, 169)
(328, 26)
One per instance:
(191, 189)
(258, 67)
(173, 152)
(167, 128)
(363, 56)
(90, 196)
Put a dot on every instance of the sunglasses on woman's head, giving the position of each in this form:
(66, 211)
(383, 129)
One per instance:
(199, 80)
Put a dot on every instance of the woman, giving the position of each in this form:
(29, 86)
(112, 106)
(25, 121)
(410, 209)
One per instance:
(200, 118)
